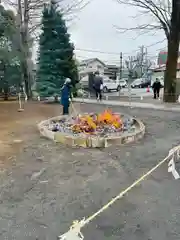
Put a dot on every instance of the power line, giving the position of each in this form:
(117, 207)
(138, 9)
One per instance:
(95, 51)
(148, 46)
(114, 53)
(116, 61)
(107, 61)
(154, 44)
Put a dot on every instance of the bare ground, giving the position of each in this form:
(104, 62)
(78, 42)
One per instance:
(45, 186)
(16, 128)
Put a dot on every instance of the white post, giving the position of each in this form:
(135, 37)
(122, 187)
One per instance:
(120, 72)
(129, 90)
(20, 104)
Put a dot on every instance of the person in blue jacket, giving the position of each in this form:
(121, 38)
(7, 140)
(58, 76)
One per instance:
(65, 96)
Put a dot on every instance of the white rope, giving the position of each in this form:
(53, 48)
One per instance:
(74, 232)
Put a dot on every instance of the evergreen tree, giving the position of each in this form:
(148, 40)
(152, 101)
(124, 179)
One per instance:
(55, 62)
(9, 56)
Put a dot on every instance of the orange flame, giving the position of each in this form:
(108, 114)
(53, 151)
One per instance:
(89, 124)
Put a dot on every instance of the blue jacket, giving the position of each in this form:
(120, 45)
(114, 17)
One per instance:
(65, 95)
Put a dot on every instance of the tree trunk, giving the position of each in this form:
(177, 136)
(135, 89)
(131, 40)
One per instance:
(27, 74)
(6, 94)
(23, 26)
(171, 70)
(6, 90)
(173, 51)
(5, 81)
(25, 65)
(20, 26)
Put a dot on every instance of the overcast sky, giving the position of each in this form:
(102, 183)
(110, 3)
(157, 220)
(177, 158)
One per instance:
(94, 30)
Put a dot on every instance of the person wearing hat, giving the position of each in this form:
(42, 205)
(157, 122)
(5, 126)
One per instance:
(65, 95)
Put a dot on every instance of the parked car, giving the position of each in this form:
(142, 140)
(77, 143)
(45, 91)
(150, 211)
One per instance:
(140, 83)
(122, 83)
(109, 85)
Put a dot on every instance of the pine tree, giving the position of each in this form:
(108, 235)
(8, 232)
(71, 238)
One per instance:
(55, 61)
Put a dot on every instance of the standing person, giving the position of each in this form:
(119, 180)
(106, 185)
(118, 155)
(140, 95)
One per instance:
(98, 82)
(65, 95)
(156, 88)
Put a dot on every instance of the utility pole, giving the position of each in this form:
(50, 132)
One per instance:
(120, 71)
(129, 65)
(120, 68)
(146, 62)
(141, 60)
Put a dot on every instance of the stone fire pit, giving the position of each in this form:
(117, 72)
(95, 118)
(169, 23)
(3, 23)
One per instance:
(93, 130)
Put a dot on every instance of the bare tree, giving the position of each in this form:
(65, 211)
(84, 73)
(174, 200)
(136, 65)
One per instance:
(32, 9)
(165, 15)
(159, 12)
(29, 16)
(140, 63)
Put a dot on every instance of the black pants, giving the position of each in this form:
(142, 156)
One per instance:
(156, 93)
(98, 94)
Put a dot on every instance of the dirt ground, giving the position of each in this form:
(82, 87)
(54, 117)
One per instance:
(17, 127)
(47, 186)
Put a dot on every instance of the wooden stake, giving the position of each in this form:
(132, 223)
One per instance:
(20, 103)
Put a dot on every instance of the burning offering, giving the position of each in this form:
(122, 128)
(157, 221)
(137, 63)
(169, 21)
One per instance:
(93, 130)
(105, 123)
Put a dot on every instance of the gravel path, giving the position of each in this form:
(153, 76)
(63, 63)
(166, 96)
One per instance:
(51, 185)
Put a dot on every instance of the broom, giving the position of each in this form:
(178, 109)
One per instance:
(74, 111)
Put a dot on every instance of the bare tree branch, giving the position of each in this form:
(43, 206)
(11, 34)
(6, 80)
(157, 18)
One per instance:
(160, 10)
(69, 8)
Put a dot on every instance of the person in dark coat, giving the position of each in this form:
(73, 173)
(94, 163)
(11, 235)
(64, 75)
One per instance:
(65, 96)
(98, 82)
(156, 88)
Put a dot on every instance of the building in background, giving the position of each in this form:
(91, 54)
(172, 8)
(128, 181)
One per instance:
(159, 72)
(111, 71)
(162, 59)
(91, 65)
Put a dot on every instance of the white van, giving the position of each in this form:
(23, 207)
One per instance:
(109, 85)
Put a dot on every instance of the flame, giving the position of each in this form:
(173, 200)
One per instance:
(91, 123)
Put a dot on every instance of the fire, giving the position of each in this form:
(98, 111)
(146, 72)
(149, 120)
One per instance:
(96, 122)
